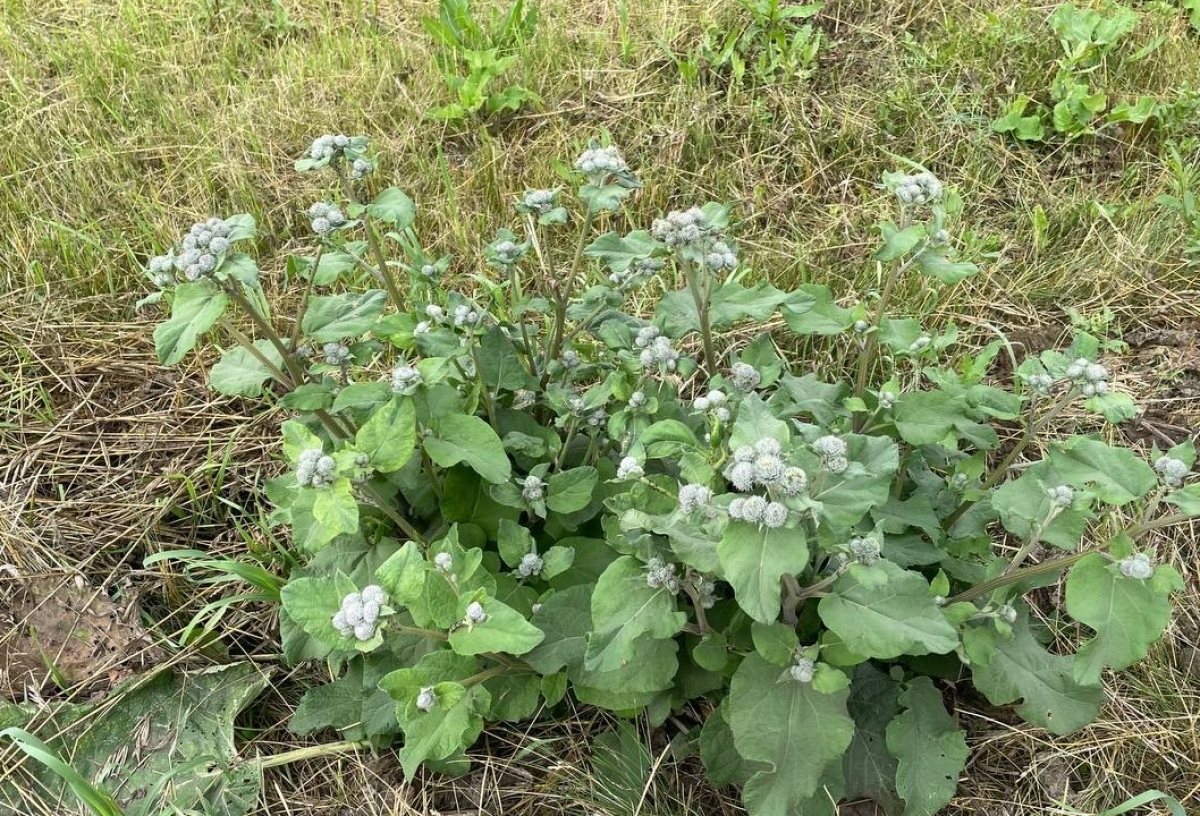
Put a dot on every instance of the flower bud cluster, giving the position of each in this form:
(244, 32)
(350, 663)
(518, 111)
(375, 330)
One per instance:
(328, 145)
(201, 249)
(865, 549)
(1092, 378)
(745, 377)
(693, 497)
(636, 273)
(636, 400)
(940, 237)
(832, 450)
(1138, 566)
(657, 351)
(314, 468)
(684, 228)
(599, 162)
(714, 400)
(530, 566)
(803, 670)
(597, 418)
(1172, 471)
(661, 575)
(720, 258)
(533, 489)
(538, 202)
(359, 613)
(507, 253)
(887, 399)
(325, 218)
(335, 354)
(706, 591)
(919, 188)
(444, 561)
(405, 379)
(1061, 495)
(630, 468)
(464, 315)
(360, 168)
(920, 344)
(569, 359)
(160, 269)
(1040, 383)
(430, 272)
(757, 510)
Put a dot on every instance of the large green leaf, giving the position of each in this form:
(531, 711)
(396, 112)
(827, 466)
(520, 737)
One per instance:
(565, 618)
(1127, 614)
(450, 727)
(625, 607)
(1117, 475)
(196, 307)
(390, 435)
(790, 727)
(393, 206)
(183, 727)
(504, 631)
(500, 364)
(1019, 668)
(241, 374)
(470, 440)
(336, 317)
(888, 618)
(571, 490)
(929, 748)
(868, 768)
(754, 559)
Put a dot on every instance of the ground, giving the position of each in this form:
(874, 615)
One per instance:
(126, 120)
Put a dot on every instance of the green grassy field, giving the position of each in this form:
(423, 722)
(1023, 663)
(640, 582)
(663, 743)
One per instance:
(122, 121)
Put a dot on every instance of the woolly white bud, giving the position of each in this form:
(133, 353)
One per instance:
(830, 446)
(865, 549)
(426, 699)
(630, 468)
(475, 613)
(444, 561)
(774, 515)
(531, 564)
(1061, 495)
(694, 497)
(803, 670)
(1138, 566)
(794, 482)
(745, 377)
(741, 475)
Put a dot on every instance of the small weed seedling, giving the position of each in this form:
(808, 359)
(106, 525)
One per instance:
(472, 57)
(769, 38)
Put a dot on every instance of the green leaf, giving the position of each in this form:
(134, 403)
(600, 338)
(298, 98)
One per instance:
(930, 750)
(336, 317)
(451, 726)
(795, 731)
(565, 618)
(196, 307)
(1128, 615)
(390, 435)
(505, 630)
(898, 242)
(618, 252)
(335, 507)
(1116, 475)
(394, 207)
(571, 490)
(867, 767)
(240, 374)
(1020, 669)
(732, 303)
(310, 397)
(886, 619)
(722, 762)
(470, 440)
(776, 642)
(811, 310)
(937, 264)
(625, 607)
(312, 603)
(500, 365)
(754, 559)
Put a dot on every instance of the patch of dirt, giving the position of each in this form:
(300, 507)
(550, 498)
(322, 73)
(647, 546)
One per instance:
(62, 632)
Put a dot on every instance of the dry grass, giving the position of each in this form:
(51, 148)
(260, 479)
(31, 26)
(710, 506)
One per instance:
(125, 121)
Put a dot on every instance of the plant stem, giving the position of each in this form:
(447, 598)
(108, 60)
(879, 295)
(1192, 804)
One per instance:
(245, 342)
(372, 239)
(698, 606)
(393, 514)
(268, 331)
(700, 292)
(868, 353)
(303, 308)
(554, 347)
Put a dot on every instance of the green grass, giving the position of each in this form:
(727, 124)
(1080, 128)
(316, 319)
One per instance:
(122, 121)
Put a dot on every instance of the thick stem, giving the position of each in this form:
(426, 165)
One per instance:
(700, 292)
(698, 606)
(868, 353)
(310, 752)
(563, 292)
(268, 331)
(246, 343)
(303, 307)
(373, 242)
